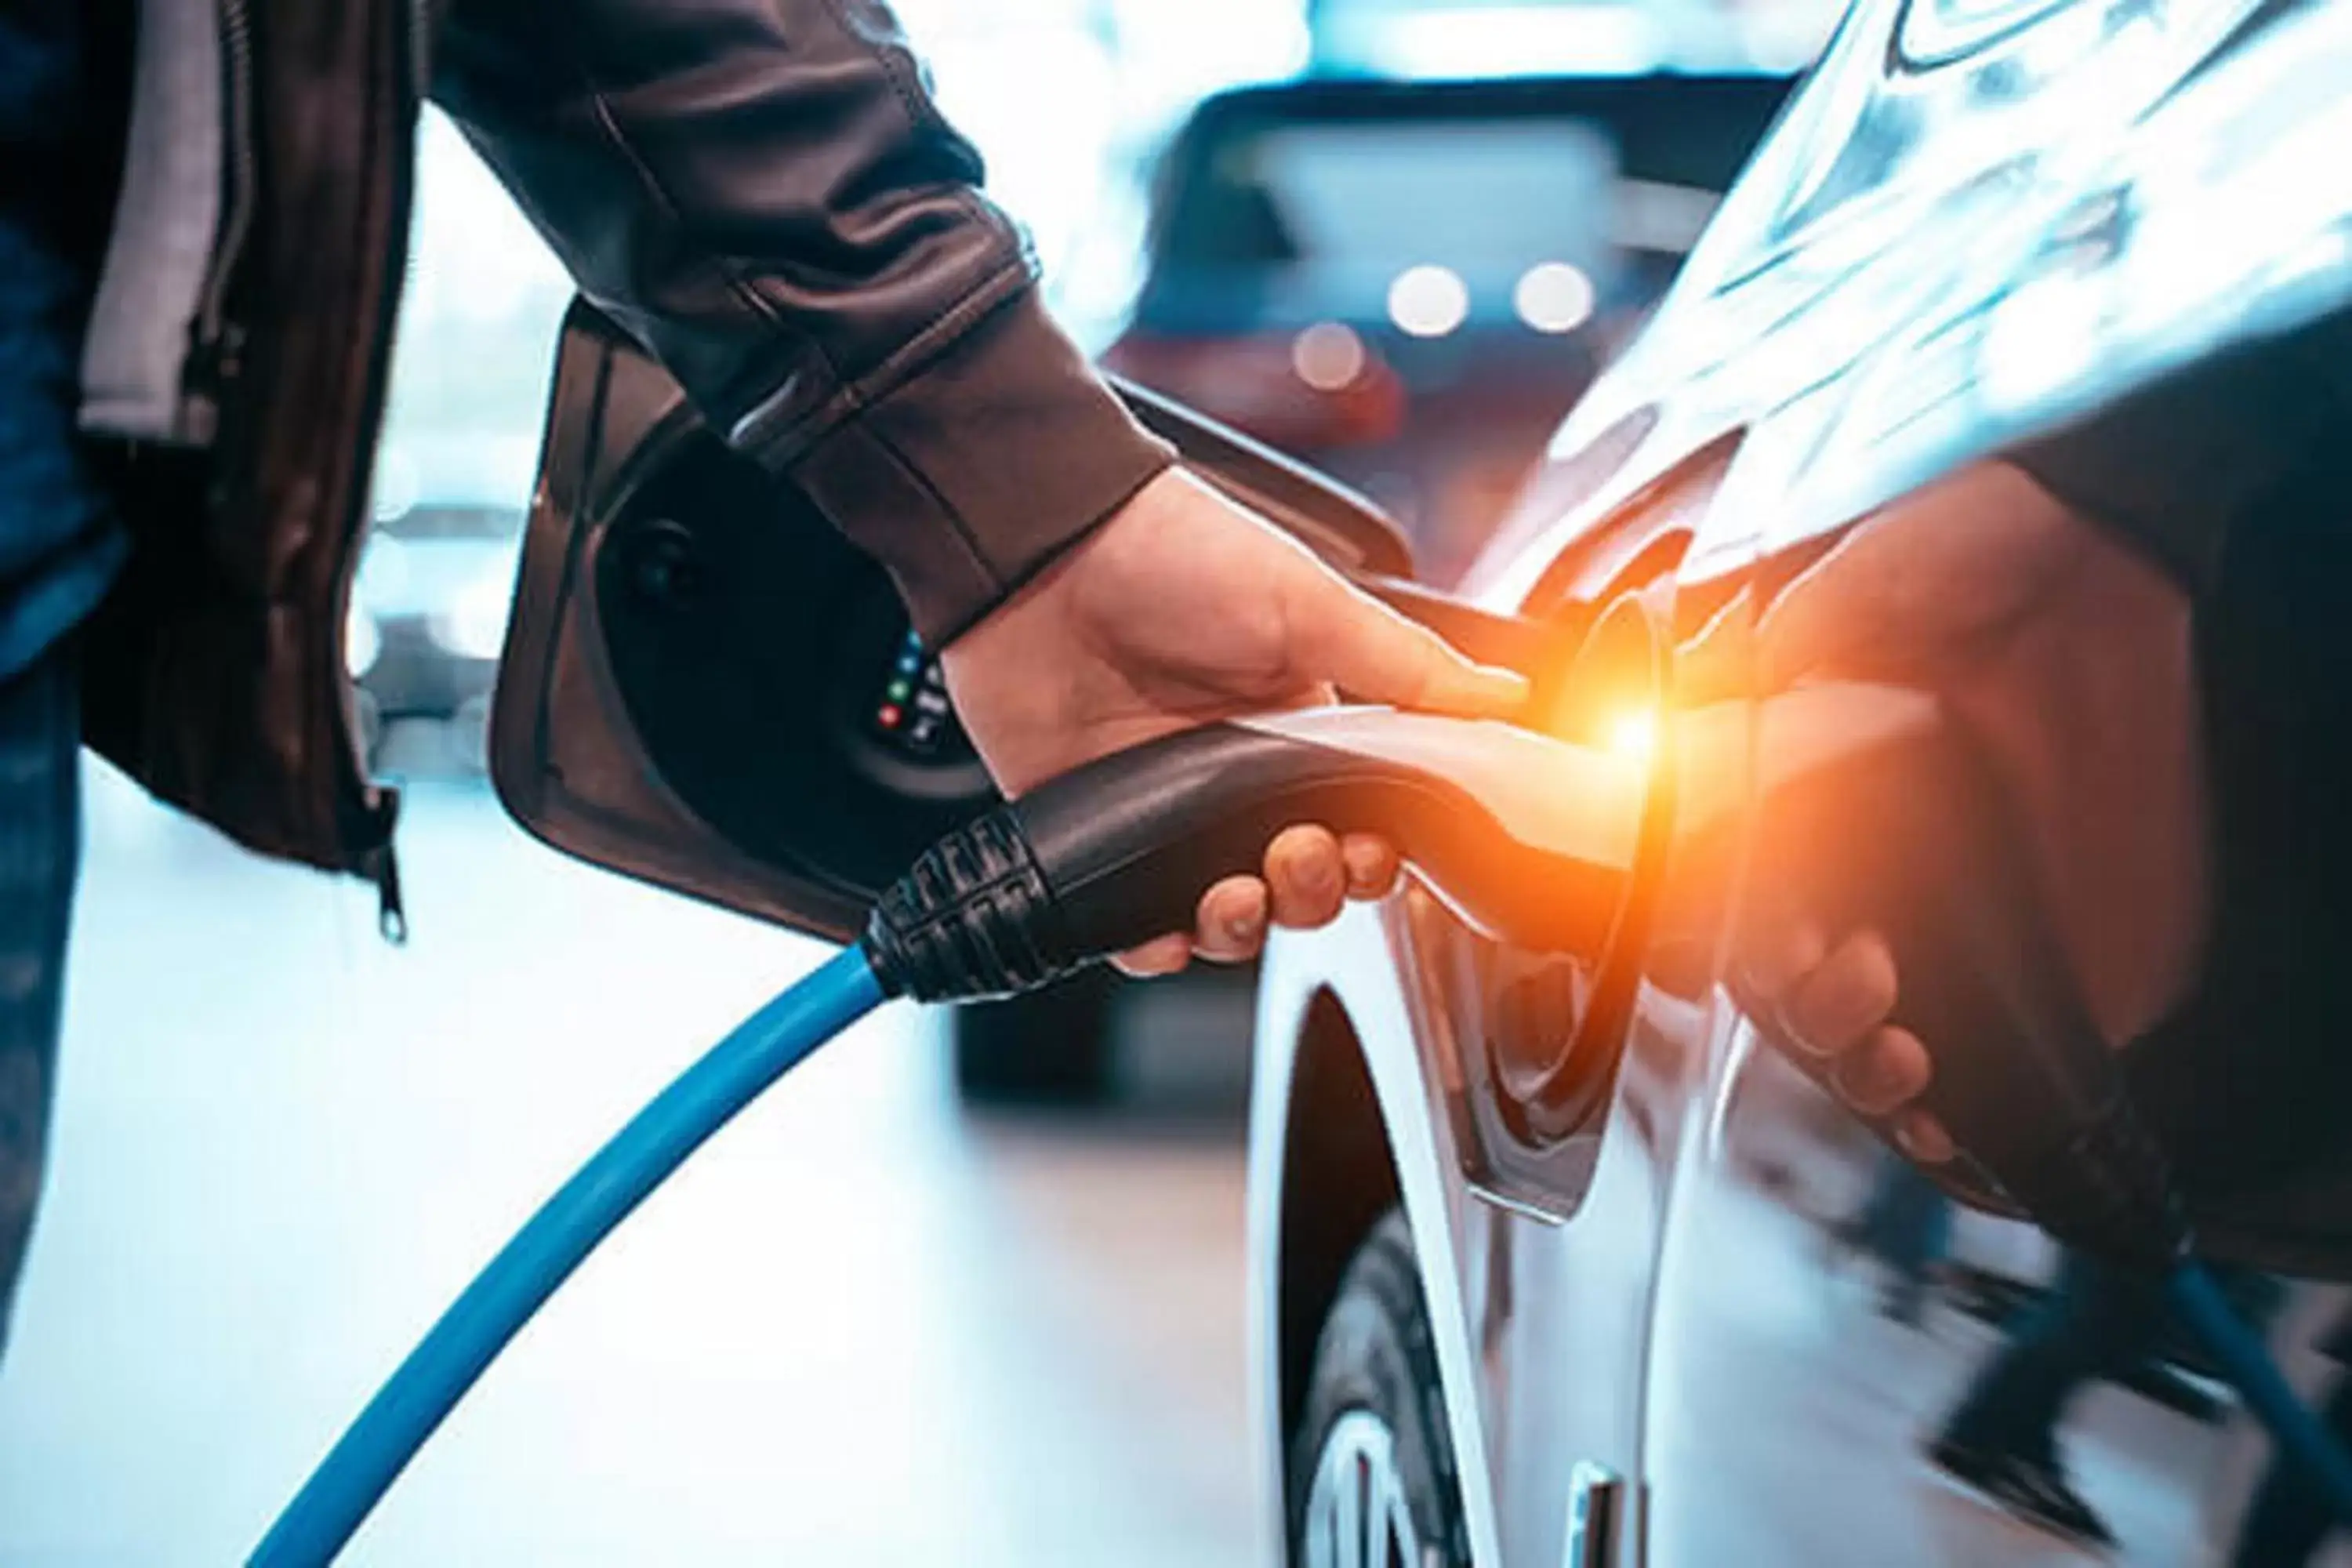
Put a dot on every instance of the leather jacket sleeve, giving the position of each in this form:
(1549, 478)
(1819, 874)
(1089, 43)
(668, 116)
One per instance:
(764, 194)
(2184, 463)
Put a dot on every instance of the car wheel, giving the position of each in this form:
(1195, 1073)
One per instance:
(1372, 1470)
(1053, 1047)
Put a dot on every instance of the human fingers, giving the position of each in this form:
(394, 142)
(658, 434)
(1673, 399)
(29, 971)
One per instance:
(1160, 956)
(1306, 876)
(1230, 922)
(1373, 865)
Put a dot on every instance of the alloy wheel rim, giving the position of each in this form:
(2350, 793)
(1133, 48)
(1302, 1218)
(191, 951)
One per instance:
(1358, 1515)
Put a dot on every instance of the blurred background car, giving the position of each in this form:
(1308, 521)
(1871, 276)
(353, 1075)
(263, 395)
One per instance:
(428, 613)
(1407, 283)
(453, 474)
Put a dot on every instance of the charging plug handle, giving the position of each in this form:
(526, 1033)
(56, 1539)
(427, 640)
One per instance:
(1117, 852)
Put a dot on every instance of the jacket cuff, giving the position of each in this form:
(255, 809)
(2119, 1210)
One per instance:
(2178, 465)
(968, 478)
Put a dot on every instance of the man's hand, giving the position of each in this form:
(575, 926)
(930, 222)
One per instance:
(2064, 657)
(1180, 610)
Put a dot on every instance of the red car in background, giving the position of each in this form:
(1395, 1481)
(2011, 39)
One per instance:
(1407, 284)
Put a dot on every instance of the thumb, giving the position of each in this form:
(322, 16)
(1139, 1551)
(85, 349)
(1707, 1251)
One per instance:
(1374, 655)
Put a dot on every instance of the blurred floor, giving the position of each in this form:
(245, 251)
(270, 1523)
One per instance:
(860, 1328)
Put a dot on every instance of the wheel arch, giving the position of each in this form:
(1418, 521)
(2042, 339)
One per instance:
(1343, 1125)
(1338, 1177)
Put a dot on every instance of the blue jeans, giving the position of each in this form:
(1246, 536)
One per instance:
(61, 77)
(60, 150)
(2099, 1321)
(40, 843)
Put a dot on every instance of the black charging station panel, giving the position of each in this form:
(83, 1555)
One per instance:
(704, 685)
(769, 671)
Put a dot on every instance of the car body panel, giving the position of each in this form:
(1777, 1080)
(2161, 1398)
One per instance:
(1897, 337)
(1787, 1406)
(1974, 225)
(1356, 967)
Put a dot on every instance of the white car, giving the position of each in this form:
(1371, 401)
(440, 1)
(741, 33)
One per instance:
(1563, 1264)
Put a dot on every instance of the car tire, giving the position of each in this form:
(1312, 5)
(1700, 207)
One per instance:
(1372, 1457)
(1053, 1047)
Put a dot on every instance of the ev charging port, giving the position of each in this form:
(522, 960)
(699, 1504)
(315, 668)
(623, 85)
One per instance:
(1558, 1022)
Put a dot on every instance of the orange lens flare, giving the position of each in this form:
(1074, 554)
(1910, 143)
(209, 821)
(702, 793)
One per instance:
(1634, 734)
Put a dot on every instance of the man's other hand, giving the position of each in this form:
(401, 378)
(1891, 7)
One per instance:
(2065, 657)
(1180, 610)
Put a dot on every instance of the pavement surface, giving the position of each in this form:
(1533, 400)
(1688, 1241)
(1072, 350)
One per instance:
(863, 1328)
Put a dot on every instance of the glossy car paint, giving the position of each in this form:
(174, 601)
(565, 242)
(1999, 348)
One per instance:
(1975, 221)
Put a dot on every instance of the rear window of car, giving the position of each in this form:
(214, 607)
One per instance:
(1325, 192)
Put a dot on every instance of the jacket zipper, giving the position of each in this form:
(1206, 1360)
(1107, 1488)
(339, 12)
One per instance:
(406, 78)
(217, 343)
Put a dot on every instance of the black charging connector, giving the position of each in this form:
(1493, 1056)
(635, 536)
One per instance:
(1528, 837)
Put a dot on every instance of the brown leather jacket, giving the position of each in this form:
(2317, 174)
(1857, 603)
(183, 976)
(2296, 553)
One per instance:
(761, 190)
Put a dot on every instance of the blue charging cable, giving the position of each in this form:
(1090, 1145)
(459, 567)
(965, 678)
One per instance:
(543, 1254)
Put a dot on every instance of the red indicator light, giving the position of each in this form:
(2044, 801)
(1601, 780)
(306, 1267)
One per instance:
(889, 715)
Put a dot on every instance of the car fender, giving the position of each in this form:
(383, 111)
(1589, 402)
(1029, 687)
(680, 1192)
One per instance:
(1353, 963)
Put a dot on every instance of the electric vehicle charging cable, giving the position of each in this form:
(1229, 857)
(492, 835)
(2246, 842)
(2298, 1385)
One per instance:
(531, 1268)
(1530, 838)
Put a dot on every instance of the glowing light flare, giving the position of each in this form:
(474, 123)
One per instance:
(2042, 336)
(1428, 301)
(1553, 296)
(1327, 357)
(1633, 734)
